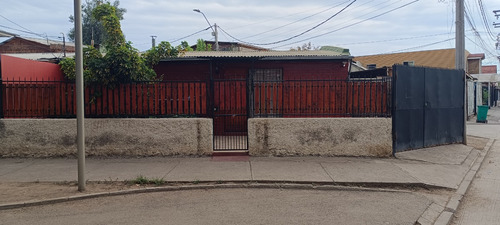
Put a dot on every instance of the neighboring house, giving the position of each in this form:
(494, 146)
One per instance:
(232, 46)
(488, 80)
(229, 73)
(441, 58)
(23, 58)
(474, 63)
(18, 44)
(489, 69)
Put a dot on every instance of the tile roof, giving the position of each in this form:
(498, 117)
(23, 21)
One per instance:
(442, 58)
(489, 69)
(260, 54)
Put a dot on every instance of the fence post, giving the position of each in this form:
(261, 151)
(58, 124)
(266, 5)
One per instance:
(250, 94)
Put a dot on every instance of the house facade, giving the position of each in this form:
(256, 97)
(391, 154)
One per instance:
(18, 44)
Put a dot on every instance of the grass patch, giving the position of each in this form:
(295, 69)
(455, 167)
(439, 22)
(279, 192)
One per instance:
(142, 180)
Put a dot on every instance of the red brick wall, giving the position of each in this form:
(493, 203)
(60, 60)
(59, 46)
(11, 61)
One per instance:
(14, 68)
(18, 45)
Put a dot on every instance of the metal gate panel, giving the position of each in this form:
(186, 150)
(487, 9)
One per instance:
(428, 107)
(230, 116)
(408, 101)
(444, 102)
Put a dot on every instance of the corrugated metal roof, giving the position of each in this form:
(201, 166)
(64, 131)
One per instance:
(6, 34)
(261, 54)
(48, 42)
(37, 56)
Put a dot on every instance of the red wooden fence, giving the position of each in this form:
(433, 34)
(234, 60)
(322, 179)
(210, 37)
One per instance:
(46, 99)
(301, 98)
(329, 98)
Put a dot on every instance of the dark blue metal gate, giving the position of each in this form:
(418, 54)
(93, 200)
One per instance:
(428, 107)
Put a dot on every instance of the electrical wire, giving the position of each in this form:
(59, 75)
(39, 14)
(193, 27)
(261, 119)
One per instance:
(420, 46)
(396, 39)
(17, 24)
(482, 47)
(363, 6)
(350, 25)
(296, 21)
(195, 33)
(485, 20)
(28, 32)
(279, 17)
(295, 36)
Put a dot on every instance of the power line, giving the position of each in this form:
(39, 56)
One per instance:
(28, 32)
(396, 39)
(364, 6)
(295, 36)
(420, 46)
(195, 33)
(485, 20)
(350, 25)
(279, 17)
(17, 24)
(296, 21)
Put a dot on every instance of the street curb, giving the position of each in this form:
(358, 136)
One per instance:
(249, 184)
(447, 212)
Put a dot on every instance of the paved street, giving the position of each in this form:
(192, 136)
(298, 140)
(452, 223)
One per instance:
(231, 206)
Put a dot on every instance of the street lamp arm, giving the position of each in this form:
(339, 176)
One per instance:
(199, 11)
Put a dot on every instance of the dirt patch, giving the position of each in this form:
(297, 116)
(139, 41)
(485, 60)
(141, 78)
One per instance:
(477, 142)
(21, 192)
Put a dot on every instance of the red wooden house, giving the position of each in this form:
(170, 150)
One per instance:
(284, 83)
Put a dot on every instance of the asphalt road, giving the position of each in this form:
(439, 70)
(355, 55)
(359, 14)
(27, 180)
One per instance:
(231, 206)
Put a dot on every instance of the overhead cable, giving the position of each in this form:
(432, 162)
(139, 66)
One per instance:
(295, 36)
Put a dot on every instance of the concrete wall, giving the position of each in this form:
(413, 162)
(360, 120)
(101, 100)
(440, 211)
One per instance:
(105, 137)
(320, 136)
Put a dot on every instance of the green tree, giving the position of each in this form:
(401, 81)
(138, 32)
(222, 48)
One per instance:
(121, 62)
(201, 45)
(161, 51)
(92, 28)
(184, 46)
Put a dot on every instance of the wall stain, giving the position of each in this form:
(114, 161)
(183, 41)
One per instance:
(350, 135)
(68, 140)
(309, 137)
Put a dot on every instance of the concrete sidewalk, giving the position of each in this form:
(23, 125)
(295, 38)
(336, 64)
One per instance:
(443, 166)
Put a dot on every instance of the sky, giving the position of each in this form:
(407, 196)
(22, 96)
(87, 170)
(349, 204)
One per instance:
(365, 27)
